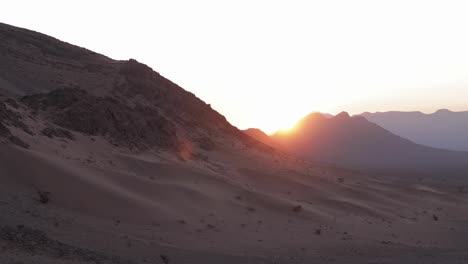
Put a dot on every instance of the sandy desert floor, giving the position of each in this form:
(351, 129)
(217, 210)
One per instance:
(107, 205)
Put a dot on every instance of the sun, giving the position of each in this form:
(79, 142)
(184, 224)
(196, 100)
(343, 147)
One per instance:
(285, 122)
(283, 125)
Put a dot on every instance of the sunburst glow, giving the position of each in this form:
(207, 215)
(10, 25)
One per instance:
(267, 63)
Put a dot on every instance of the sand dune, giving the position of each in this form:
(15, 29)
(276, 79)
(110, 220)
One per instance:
(171, 207)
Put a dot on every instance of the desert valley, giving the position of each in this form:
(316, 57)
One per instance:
(107, 161)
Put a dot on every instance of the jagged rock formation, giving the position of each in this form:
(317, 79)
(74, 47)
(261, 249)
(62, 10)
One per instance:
(75, 109)
(10, 118)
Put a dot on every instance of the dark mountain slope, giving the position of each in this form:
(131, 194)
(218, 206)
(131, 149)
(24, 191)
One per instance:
(125, 101)
(260, 136)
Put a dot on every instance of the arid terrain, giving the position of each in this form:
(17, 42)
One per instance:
(105, 161)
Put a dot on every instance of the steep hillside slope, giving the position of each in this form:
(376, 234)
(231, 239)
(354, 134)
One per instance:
(125, 101)
(261, 136)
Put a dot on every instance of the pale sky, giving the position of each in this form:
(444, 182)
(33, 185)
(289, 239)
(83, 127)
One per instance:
(267, 63)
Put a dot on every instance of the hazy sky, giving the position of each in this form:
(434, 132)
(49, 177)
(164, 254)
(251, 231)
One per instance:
(267, 63)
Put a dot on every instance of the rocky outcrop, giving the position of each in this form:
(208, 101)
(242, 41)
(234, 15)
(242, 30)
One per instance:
(138, 127)
(10, 118)
(53, 132)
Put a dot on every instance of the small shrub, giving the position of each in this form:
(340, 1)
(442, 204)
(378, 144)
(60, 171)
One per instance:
(43, 196)
(318, 232)
(297, 208)
(250, 209)
(165, 259)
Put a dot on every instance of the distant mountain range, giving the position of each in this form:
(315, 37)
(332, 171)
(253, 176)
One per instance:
(442, 129)
(358, 143)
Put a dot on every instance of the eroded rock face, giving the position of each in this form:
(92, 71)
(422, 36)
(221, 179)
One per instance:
(53, 132)
(10, 118)
(138, 127)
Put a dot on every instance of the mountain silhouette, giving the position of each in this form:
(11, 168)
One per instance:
(356, 142)
(441, 129)
(261, 136)
(127, 102)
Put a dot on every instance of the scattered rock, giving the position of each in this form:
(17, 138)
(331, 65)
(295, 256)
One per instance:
(164, 258)
(297, 208)
(43, 196)
(251, 209)
(52, 132)
(206, 143)
(17, 141)
(36, 242)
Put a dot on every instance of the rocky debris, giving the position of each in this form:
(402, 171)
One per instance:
(165, 259)
(17, 141)
(206, 144)
(138, 127)
(11, 102)
(297, 208)
(52, 132)
(318, 232)
(43, 196)
(346, 236)
(462, 189)
(37, 242)
(10, 118)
